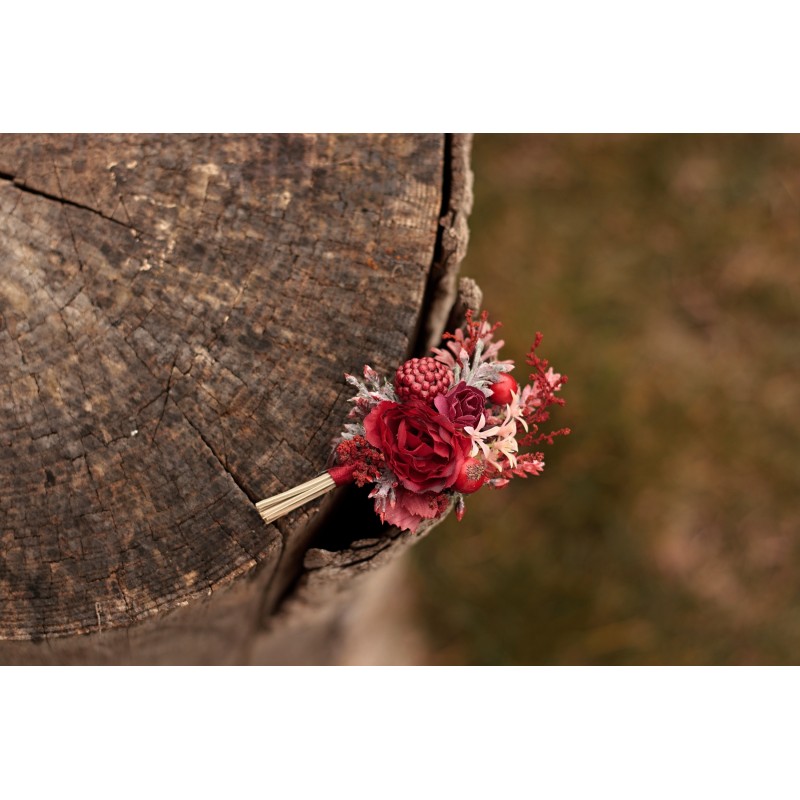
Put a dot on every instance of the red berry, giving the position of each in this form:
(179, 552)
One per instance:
(471, 476)
(501, 391)
(423, 378)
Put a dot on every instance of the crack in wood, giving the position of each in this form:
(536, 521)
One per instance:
(440, 288)
(247, 493)
(23, 187)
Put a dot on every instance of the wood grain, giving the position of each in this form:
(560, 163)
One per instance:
(176, 315)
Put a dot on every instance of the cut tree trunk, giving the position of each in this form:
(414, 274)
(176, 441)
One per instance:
(176, 315)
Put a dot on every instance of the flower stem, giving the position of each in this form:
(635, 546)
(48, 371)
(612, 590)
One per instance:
(281, 504)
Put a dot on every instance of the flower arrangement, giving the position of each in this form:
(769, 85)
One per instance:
(447, 425)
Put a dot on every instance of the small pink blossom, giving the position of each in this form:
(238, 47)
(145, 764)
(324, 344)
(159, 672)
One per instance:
(496, 443)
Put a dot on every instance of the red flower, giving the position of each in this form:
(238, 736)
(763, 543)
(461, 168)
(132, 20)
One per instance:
(420, 446)
(410, 509)
(462, 405)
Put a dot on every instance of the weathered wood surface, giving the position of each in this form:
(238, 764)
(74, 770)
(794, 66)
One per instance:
(176, 315)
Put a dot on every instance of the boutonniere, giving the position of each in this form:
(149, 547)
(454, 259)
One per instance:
(445, 426)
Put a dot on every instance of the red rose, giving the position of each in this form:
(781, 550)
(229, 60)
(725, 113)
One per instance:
(420, 446)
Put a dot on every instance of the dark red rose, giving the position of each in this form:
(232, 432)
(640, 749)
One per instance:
(421, 447)
(462, 405)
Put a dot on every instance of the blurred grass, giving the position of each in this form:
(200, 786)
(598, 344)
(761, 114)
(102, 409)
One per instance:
(664, 272)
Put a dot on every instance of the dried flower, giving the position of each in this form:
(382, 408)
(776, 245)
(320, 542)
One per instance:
(423, 378)
(420, 446)
(462, 405)
(448, 425)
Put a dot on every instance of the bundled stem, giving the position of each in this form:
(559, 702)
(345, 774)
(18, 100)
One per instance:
(275, 507)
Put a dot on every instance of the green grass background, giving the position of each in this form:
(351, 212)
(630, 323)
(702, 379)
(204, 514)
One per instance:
(664, 272)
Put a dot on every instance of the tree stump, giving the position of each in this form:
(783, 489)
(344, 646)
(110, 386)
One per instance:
(176, 315)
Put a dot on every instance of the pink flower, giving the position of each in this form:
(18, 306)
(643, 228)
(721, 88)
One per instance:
(497, 442)
(421, 447)
(462, 405)
(410, 509)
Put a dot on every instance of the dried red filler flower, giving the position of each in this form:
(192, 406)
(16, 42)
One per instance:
(365, 461)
